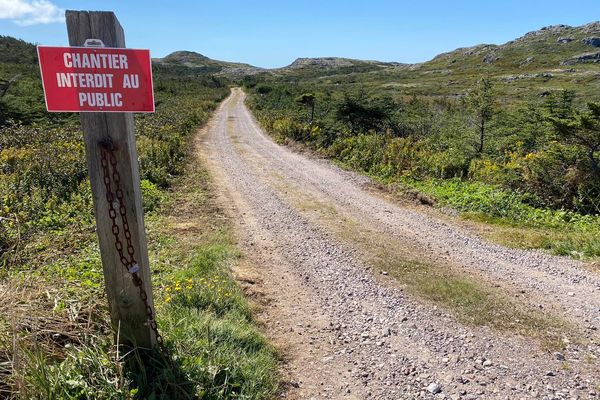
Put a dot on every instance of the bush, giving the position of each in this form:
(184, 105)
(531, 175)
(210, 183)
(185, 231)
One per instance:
(450, 163)
(426, 138)
(402, 156)
(288, 128)
(43, 170)
(151, 195)
(363, 152)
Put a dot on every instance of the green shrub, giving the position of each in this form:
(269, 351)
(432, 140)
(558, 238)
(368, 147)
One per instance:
(402, 156)
(288, 128)
(151, 195)
(450, 163)
(43, 170)
(494, 204)
(363, 152)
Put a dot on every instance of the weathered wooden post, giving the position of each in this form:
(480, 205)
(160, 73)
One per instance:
(113, 168)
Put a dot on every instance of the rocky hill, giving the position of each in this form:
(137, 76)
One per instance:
(335, 62)
(551, 46)
(551, 58)
(198, 61)
(558, 52)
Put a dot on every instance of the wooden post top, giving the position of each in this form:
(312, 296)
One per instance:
(103, 25)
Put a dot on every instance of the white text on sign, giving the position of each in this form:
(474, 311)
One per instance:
(103, 81)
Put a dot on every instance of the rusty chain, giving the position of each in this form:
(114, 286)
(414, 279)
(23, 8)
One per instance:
(108, 161)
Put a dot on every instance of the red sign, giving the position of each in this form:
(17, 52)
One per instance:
(96, 79)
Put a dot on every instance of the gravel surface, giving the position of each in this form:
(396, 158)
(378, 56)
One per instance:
(373, 341)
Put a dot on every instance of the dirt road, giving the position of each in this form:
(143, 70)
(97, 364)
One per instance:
(348, 330)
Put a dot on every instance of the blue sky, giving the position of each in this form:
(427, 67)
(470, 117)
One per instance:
(274, 33)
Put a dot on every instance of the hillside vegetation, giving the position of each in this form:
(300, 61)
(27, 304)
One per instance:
(507, 134)
(55, 335)
(553, 58)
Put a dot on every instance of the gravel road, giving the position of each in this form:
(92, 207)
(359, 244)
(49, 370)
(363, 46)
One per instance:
(348, 333)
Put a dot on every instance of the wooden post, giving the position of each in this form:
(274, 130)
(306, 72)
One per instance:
(127, 310)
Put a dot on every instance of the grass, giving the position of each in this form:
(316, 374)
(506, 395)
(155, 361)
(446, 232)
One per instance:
(503, 216)
(204, 313)
(473, 301)
(55, 337)
(517, 224)
(570, 242)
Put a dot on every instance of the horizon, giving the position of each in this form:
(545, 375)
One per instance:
(374, 60)
(247, 33)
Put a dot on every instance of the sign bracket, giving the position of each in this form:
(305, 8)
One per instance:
(93, 43)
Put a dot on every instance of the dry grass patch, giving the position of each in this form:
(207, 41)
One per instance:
(40, 317)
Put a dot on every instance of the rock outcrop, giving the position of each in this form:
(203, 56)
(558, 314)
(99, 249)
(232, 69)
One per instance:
(592, 41)
(593, 57)
(564, 40)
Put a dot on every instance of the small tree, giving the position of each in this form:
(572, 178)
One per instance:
(362, 114)
(560, 104)
(4, 86)
(582, 128)
(308, 99)
(481, 103)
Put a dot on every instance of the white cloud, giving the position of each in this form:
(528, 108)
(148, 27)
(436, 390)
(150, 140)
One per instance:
(30, 12)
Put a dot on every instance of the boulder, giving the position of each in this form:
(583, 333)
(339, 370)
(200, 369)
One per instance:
(592, 41)
(527, 61)
(564, 40)
(490, 58)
